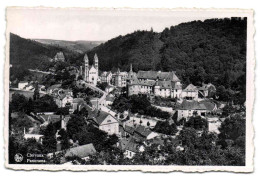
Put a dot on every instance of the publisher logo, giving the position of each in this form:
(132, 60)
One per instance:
(18, 158)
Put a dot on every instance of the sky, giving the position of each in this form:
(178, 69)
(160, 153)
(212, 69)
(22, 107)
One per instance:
(95, 25)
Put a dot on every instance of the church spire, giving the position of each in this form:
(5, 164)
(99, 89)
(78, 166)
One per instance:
(86, 67)
(96, 61)
(131, 68)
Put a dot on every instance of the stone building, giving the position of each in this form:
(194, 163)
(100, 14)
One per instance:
(106, 77)
(58, 57)
(120, 78)
(91, 72)
(157, 83)
(191, 92)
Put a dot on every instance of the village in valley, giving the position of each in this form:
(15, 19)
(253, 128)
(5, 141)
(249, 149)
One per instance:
(97, 98)
(79, 114)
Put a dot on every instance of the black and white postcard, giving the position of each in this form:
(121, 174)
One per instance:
(153, 90)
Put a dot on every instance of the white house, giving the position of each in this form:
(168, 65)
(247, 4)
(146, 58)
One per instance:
(187, 108)
(105, 122)
(63, 98)
(130, 147)
(22, 84)
(191, 92)
(106, 77)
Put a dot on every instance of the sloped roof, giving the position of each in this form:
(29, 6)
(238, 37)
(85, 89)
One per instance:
(164, 84)
(99, 116)
(143, 131)
(210, 105)
(53, 118)
(81, 151)
(105, 74)
(128, 144)
(191, 105)
(78, 100)
(153, 75)
(23, 82)
(110, 98)
(59, 56)
(191, 87)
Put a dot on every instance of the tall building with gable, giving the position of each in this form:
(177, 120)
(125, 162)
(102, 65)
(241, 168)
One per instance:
(156, 83)
(91, 72)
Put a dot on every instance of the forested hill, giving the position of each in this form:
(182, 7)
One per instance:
(78, 46)
(27, 53)
(210, 51)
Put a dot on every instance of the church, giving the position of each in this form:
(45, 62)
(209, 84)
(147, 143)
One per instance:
(91, 72)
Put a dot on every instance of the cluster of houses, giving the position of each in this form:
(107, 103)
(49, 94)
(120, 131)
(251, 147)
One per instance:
(192, 99)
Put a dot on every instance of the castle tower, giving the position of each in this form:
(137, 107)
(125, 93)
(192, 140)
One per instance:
(96, 62)
(86, 68)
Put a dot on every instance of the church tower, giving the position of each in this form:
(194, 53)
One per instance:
(86, 68)
(131, 68)
(96, 62)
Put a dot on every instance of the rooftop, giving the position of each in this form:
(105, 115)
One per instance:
(81, 151)
(154, 75)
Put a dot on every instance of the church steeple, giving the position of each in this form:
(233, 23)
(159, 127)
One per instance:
(86, 67)
(96, 61)
(131, 68)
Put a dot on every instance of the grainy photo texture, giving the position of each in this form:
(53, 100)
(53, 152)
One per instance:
(126, 89)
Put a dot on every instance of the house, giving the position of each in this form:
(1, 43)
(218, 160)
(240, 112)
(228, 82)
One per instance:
(58, 57)
(119, 78)
(78, 104)
(29, 87)
(63, 98)
(187, 108)
(53, 118)
(110, 99)
(207, 90)
(191, 92)
(52, 88)
(109, 88)
(105, 121)
(144, 133)
(130, 147)
(106, 77)
(157, 83)
(22, 84)
(83, 152)
(37, 137)
(126, 131)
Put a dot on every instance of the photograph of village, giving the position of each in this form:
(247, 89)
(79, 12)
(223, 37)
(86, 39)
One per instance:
(147, 97)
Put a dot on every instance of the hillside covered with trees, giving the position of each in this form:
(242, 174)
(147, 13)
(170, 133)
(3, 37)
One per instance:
(213, 51)
(78, 46)
(27, 53)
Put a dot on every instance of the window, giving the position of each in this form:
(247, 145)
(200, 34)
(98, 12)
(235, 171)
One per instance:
(108, 120)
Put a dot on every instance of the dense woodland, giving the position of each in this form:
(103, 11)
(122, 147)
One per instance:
(210, 51)
(26, 53)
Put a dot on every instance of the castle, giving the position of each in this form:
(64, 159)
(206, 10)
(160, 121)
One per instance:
(91, 72)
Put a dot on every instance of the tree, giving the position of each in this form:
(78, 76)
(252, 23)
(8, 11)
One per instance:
(18, 102)
(64, 139)
(36, 94)
(76, 125)
(197, 123)
(165, 128)
(233, 128)
(49, 141)
(102, 86)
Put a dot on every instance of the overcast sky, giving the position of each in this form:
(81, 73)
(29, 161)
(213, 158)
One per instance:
(93, 25)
